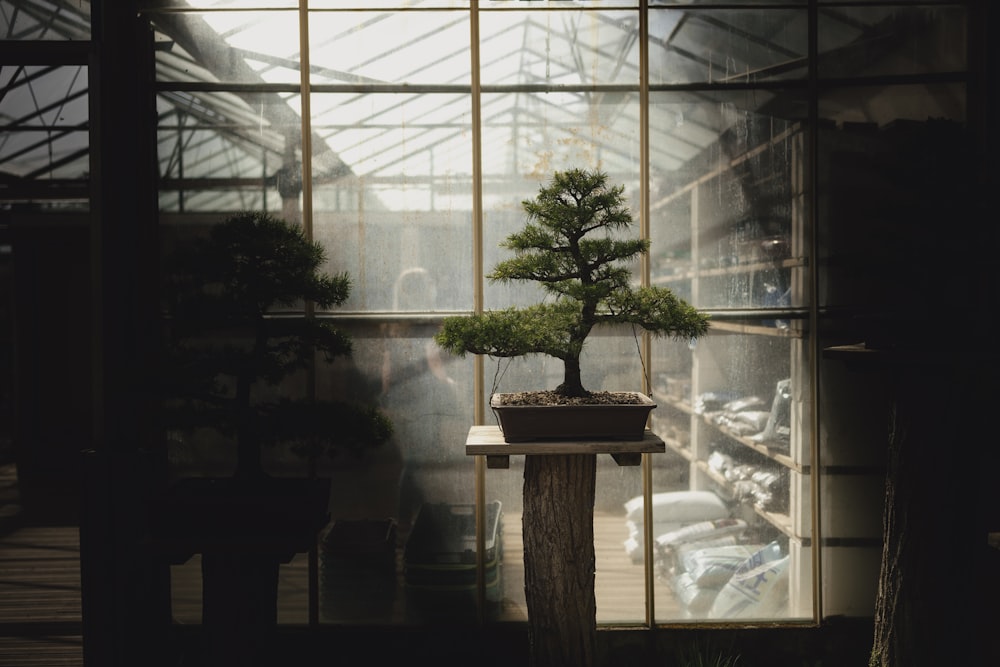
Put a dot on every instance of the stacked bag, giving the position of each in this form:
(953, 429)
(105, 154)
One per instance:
(671, 510)
(716, 574)
(707, 559)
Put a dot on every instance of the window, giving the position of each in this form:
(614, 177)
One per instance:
(404, 135)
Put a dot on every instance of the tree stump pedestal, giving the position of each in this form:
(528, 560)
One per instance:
(558, 530)
(939, 499)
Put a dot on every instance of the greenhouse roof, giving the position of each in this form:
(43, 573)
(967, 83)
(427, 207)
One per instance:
(547, 72)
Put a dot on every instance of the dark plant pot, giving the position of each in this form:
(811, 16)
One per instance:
(605, 421)
(244, 531)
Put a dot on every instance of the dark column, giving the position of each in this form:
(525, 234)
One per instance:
(124, 590)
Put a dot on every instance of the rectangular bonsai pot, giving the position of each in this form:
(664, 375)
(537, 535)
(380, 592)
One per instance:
(604, 421)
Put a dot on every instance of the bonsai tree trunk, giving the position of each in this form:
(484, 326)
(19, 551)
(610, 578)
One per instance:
(559, 560)
(572, 384)
(248, 447)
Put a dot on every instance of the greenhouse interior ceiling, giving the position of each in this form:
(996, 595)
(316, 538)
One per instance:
(230, 88)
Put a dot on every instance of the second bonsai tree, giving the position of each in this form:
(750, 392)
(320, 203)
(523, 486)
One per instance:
(570, 247)
(228, 352)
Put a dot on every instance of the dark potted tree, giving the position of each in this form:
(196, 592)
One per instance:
(233, 366)
(571, 247)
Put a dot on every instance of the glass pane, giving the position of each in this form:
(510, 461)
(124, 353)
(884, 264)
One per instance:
(559, 48)
(728, 2)
(428, 397)
(44, 20)
(726, 45)
(728, 232)
(526, 138)
(881, 105)
(392, 192)
(150, 5)
(871, 256)
(228, 152)
(376, 136)
(414, 263)
(873, 41)
(411, 263)
(619, 582)
(554, 4)
(879, 2)
(505, 485)
(44, 133)
(390, 47)
(726, 212)
(230, 47)
(386, 4)
(731, 536)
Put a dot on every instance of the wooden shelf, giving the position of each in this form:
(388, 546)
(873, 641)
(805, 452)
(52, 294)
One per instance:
(779, 520)
(782, 522)
(689, 273)
(777, 454)
(663, 398)
(763, 448)
(681, 450)
(488, 441)
(757, 329)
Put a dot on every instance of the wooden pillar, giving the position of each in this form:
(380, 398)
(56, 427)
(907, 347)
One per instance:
(124, 589)
(560, 481)
(559, 560)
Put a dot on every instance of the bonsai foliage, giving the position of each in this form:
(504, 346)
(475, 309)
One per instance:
(225, 346)
(569, 246)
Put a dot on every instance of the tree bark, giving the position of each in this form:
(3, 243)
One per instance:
(929, 600)
(572, 384)
(559, 560)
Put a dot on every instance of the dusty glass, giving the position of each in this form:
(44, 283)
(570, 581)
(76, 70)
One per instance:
(725, 46)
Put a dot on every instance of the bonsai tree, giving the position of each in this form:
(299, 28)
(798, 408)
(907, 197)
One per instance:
(570, 248)
(225, 346)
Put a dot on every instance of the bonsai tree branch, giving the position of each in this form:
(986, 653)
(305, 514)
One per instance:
(569, 246)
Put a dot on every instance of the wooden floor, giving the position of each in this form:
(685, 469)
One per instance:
(40, 620)
(40, 613)
(618, 586)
